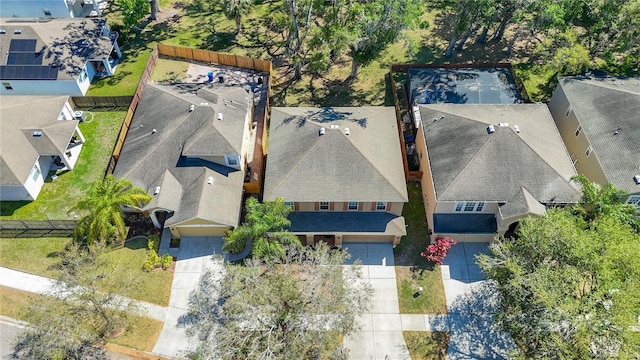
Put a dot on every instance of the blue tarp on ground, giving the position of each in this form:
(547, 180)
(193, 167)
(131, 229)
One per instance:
(464, 224)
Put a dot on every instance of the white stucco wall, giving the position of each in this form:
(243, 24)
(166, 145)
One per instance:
(44, 87)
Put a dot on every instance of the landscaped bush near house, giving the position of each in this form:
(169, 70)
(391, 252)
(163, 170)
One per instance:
(438, 251)
(154, 261)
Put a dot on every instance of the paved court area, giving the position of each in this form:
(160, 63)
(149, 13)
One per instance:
(463, 86)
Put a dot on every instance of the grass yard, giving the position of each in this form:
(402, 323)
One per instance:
(426, 345)
(412, 270)
(57, 197)
(37, 255)
(34, 256)
(142, 334)
(431, 301)
(407, 253)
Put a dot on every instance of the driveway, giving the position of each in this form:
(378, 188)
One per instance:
(381, 336)
(194, 257)
(471, 302)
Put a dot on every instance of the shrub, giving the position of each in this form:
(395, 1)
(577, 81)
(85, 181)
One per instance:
(438, 251)
(153, 260)
(165, 261)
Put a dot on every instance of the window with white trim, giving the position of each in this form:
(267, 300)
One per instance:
(459, 205)
(7, 85)
(588, 151)
(578, 130)
(569, 109)
(381, 206)
(352, 205)
(480, 206)
(35, 173)
(324, 205)
(469, 206)
(232, 160)
(634, 199)
(289, 204)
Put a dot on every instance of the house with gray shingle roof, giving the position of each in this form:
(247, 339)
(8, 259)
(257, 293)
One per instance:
(37, 134)
(486, 166)
(341, 171)
(55, 56)
(189, 149)
(599, 120)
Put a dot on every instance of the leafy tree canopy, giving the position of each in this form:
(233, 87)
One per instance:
(296, 309)
(569, 288)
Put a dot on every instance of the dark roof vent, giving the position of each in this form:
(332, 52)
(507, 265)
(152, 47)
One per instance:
(37, 133)
(491, 129)
(636, 179)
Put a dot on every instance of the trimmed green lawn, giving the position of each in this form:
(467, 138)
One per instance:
(427, 345)
(167, 69)
(142, 334)
(154, 286)
(431, 301)
(57, 197)
(36, 255)
(407, 253)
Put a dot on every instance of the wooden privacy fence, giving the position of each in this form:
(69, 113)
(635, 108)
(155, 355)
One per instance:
(101, 101)
(37, 228)
(215, 57)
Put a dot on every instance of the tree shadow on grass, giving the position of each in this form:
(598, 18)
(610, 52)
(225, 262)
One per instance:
(8, 208)
(473, 332)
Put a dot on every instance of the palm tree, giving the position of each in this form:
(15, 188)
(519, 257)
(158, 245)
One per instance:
(266, 224)
(104, 203)
(235, 9)
(604, 201)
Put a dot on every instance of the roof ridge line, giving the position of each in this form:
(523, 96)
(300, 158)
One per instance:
(372, 164)
(606, 87)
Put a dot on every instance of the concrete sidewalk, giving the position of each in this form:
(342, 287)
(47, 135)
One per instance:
(45, 286)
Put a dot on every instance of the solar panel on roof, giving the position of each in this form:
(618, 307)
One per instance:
(24, 58)
(23, 45)
(28, 72)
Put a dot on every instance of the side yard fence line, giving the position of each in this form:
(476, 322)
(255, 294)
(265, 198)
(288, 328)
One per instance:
(101, 101)
(37, 228)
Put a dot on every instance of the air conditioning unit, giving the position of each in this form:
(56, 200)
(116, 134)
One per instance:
(79, 115)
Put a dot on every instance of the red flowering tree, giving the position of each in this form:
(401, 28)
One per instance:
(438, 251)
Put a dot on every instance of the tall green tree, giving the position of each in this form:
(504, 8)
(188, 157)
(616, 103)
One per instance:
(266, 224)
(375, 25)
(298, 308)
(604, 201)
(103, 205)
(235, 10)
(569, 289)
(133, 11)
(82, 312)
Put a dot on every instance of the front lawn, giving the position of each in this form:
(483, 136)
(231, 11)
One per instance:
(431, 301)
(427, 345)
(142, 333)
(36, 255)
(412, 270)
(57, 197)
